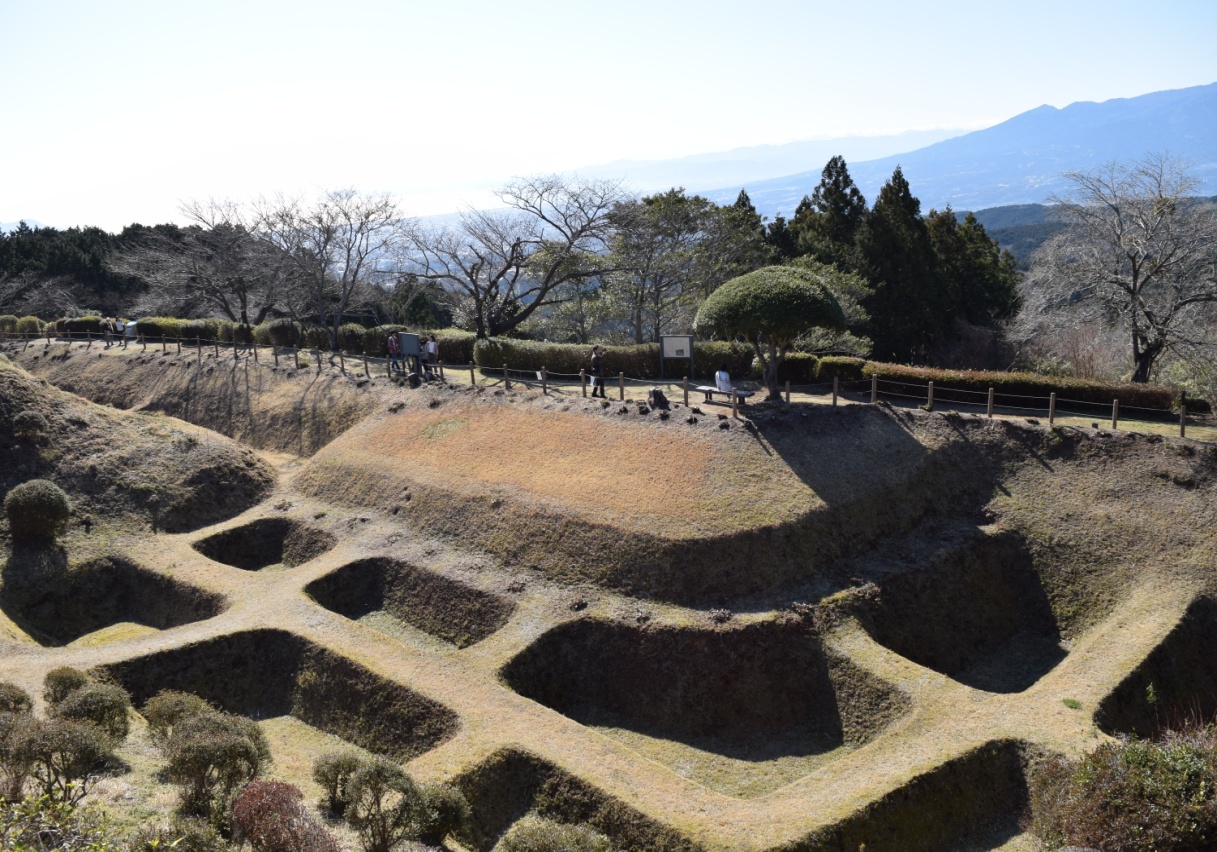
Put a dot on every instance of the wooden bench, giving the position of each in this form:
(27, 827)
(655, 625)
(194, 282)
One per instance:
(711, 390)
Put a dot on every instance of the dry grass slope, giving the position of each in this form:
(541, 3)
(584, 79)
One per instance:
(518, 599)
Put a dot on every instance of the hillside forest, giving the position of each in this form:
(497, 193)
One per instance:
(583, 261)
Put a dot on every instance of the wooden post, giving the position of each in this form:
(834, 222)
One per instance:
(255, 348)
(164, 344)
(506, 378)
(473, 379)
(686, 385)
(318, 353)
(1182, 419)
(583, 382)
(441, 372)
(216, 343)
(1115, 413)
(544, 381)
(1051, 408)
(836, 387)
(734, 405)
(274, 350)
(342, 363)
(621, 385)
(235, 356)
(366, 374)
(198, 344)
(874, 389)
(179, 346)
(929, 397)
(788, 391)
(991, 393)
(143, 343)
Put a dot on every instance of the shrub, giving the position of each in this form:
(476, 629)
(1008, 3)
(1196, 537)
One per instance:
(243, 334)
(79, 326)
(202, 330)
(271, 817)
(105, 705)
(64, 756)
(61, 682)
(43, 823)
(350, 337)
(1131, 795)
(315, 337)
(154, 328)
(27, 326)
(386, 807)
(29, 426)
(183, 835)
(37, 509)
(447, 812)
(14, 699)
(284, 332)
(533, 834)
(455, 345)
(14, 767)
(210, 755)
(841, 367)
(8, 324)
(375, 339)
(333, 772)
(798, 368)
(168, 707)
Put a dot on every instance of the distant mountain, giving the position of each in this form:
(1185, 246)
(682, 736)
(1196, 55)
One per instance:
(758, 162)
(5, 227)
(1020, 161)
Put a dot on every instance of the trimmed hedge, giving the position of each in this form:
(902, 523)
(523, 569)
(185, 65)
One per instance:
(8, 323)
(841, 367)
(350, 337)
(284, 332)
(79, 325)
(155, 328)
(203, 330)
(30, 325)
(315, 337)
(1010, 386)
(638, 361)
(798, 368)
(37, 509)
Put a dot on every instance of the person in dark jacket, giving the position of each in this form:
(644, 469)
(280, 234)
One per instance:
(598, 372)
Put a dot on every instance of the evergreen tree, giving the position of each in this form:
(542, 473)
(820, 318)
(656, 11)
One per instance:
(826, 223)
(909, 308)
(981, 280)
(780, 239)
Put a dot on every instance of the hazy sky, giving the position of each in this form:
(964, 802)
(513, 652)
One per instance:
(114, 111)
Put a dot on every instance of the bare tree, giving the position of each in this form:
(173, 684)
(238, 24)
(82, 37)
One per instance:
(1139, 252)
(337, 247)
(501, 266)
(218, 265)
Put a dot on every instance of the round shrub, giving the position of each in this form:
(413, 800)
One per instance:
(350, 337)
(284, 332)
(271, 817)
(29, 426)
(157, 327)
(80, 326)
(30, 327)
(37, 509)
(64, 756)
(201, 330)
(8, 324)
(168, 707)
(210, 755)
(61, 682)
(244, 334)
(376, 340)
(447, 813)
(102, 704)
(183, 835)
(316, 337)
(333, 772)
(533, 834)
(14, 699)
(386, 807)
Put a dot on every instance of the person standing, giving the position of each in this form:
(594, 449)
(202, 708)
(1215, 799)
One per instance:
(598, 372)
(430, 356)
(394, 347)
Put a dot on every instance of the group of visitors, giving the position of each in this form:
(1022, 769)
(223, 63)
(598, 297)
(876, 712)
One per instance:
(428, 356)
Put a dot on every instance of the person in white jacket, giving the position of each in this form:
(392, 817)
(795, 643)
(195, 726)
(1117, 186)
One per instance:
(723, 379)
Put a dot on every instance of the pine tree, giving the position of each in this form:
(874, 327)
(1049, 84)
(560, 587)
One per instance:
(980, 279)
(909, 308)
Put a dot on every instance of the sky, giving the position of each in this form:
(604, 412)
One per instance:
(117, 111)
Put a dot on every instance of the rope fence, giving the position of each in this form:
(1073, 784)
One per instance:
(872, 390)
